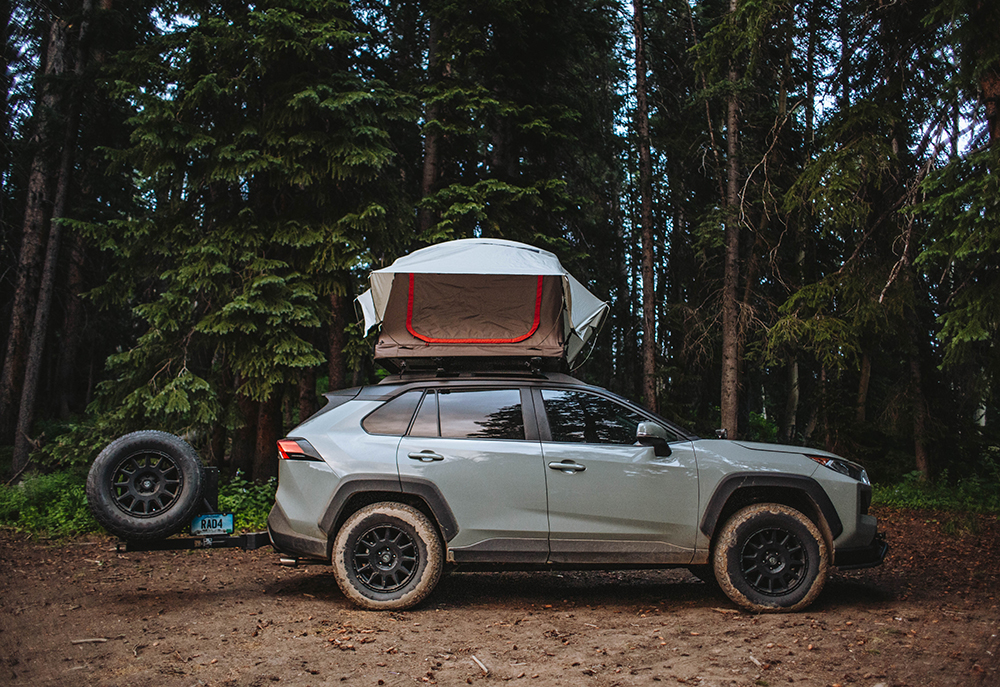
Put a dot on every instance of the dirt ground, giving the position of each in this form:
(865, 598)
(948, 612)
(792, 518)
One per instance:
(79, 613)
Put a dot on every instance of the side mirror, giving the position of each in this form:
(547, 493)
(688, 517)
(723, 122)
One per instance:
(652, 434)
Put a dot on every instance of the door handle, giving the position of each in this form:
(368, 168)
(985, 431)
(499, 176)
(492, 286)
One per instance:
(567, 466)
(426, 456)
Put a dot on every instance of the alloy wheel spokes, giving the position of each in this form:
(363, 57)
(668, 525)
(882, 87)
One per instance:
(773, 561)
(385, 558)
(145, 484)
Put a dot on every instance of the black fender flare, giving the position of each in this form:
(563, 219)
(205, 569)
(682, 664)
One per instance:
(730, 484)
(423, 489)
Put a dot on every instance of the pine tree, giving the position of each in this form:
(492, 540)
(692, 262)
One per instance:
(260, 151)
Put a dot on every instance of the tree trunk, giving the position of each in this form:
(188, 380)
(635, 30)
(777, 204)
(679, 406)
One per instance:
(43, 307)
(39, 332)
(265, 464)
(307, 394)
(217, 446)
(73, 325)
(645, 214)
(241, 455)
(791, 402)
(7, 58)
(985, 17)
(431, 136)
(337, 361)
(37, 214)
(861, 410)
(920, 454)
(729, 402)
(990, 83)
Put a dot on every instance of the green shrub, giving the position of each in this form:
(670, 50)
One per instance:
(250, 502)
(53, 505)
(762, 428)
(976, 493)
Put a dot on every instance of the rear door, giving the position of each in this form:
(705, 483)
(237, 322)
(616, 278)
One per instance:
(611, 500)
(475, 446)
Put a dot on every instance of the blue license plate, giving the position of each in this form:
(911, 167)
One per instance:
(212, 523)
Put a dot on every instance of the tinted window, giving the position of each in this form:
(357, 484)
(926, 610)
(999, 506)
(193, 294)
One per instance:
(426, 422)
(482, 414)
(394, 416)
(578, 416)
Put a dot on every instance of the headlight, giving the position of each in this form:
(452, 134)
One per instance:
(844, 467)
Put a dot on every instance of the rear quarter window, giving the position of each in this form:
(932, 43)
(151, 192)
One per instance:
(394, 416)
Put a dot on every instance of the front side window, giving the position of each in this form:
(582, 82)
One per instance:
(471, 414)
(583, 417)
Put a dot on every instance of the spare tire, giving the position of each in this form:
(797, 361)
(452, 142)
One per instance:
(145, 485)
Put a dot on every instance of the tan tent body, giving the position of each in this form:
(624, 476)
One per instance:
(479, 299)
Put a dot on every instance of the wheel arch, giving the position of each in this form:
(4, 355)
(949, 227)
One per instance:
(803, 493)
(359, 491)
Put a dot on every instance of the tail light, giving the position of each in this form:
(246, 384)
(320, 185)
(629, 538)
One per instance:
(297, 449)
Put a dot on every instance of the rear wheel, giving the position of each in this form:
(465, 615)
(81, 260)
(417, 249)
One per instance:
(771, 557)
(145, 485)
(387, 556)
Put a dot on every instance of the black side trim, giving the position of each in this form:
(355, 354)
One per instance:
(503, 551)
(428, 491)
(750, 480)
(360, 484)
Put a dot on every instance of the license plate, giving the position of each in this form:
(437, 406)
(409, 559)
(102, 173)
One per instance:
(212, 523)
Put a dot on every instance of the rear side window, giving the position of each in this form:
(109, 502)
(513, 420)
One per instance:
(475, 414)
(393, 417)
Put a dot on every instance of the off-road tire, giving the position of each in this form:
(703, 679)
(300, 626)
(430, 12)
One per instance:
(387, 556)
(145, 485)
(769, 557)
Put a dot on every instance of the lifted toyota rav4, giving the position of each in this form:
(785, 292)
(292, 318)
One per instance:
(393, 482)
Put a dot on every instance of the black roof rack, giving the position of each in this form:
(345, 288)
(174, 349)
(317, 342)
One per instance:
(450, 367)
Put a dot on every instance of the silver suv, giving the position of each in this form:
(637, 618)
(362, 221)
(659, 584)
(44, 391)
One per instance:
(393, 482)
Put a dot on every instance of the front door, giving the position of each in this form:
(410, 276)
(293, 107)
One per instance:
(611, 500)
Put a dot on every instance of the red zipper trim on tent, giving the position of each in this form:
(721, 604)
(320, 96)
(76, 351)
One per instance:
(428, 339)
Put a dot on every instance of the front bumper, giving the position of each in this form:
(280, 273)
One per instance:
(864, 556)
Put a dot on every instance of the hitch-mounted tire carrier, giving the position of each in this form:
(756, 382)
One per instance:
(247, 541)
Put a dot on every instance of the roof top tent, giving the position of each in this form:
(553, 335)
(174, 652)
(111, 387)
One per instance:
(485, 301)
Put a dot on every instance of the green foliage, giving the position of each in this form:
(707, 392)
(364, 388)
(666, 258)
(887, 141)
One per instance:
(978, 493)
(249, 501)
(53, 505)
(962, 206)
(762, 428)
(259, 153)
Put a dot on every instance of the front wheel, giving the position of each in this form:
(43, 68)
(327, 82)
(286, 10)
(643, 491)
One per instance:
(771, 557)
(387, 556)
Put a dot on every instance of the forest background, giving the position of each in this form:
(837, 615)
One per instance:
(793, 209)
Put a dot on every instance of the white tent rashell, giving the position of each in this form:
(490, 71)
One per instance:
(583, 311)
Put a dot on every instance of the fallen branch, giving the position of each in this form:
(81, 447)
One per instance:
(486, 671)
(95, 640)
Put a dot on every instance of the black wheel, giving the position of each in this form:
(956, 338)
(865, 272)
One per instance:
(145, 485)
(387, 556)
(770, 557)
